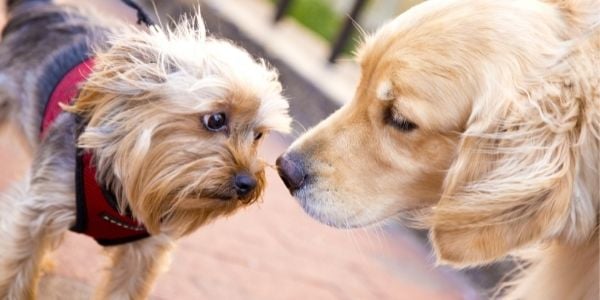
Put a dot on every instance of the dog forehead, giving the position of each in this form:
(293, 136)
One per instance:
(244, 102)
(251, 87)
(267, 110)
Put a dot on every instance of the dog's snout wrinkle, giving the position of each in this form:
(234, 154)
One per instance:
(291, 171)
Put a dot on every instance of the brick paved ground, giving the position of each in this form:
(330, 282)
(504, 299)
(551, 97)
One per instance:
(269, 251)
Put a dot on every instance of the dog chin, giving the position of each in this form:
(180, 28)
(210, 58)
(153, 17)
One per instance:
(334, 217)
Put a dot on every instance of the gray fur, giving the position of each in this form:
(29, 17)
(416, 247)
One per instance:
(40, 43)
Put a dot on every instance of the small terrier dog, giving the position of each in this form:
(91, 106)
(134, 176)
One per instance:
(138, 136)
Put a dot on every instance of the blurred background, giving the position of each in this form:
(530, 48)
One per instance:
(273, 250)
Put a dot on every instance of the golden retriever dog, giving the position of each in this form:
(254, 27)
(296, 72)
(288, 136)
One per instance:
(481, 121)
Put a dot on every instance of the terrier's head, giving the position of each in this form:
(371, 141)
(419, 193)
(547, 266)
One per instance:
(174, 119)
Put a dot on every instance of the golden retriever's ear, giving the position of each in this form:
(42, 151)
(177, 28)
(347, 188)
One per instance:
(512, 178)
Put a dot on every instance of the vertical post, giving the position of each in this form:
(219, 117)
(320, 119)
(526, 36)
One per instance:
(282, 7)
(342, 38)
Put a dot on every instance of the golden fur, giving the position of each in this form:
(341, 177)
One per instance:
(142, 107)
(506, 99)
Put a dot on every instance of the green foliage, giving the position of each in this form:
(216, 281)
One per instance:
(319, 17)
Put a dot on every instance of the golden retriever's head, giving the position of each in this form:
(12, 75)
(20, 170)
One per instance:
(453, 115)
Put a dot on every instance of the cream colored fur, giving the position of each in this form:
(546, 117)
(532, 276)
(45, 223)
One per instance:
(506, 99)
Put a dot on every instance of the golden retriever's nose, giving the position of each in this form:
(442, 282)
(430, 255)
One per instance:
(290, 169)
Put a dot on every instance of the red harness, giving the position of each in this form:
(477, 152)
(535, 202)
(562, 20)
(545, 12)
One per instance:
(97, 213)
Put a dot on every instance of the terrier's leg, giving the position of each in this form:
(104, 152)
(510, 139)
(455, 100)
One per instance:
(134, 268)
(32, 226)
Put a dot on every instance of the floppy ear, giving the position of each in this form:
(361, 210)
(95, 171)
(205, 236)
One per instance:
(512, 178)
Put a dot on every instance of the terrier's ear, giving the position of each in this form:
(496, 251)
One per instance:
(512, 179)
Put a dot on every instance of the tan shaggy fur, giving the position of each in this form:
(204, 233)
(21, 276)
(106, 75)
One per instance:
(505, 156)
(190, 77)
(143, 108)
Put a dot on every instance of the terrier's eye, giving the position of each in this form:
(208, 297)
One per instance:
(258, 136)
(215, 122)
(399, 122)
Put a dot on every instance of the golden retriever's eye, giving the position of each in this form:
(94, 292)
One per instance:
(215, 122)
(399, 122)
(258, 136)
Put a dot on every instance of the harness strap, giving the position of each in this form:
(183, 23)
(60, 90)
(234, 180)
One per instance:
(142, 17)
(66, 89)
(97, 214)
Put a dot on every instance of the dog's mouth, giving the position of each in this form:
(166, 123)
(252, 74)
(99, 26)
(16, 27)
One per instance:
(310, 201)
(226, 196)
(218, 195)
(223, 197)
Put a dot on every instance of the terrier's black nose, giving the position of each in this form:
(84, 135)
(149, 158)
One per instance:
(291, 171)
(244, 183)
